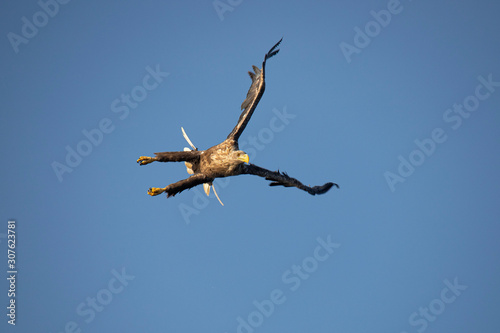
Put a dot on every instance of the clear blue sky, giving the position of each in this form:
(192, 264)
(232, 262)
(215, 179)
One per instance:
(397, 102)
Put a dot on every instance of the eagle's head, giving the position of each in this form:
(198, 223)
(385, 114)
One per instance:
(240, 155)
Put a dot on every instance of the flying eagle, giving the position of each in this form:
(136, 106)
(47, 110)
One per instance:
(225, 159)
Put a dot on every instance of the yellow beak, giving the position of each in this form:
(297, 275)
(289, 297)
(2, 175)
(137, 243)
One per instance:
(244, 158)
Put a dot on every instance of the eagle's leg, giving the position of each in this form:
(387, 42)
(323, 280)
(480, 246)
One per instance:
(181, 185)
(170, 156)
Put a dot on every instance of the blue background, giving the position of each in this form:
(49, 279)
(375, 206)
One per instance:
(354, 122)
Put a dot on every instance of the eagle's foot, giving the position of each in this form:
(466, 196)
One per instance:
(156, 190)
(143, 160)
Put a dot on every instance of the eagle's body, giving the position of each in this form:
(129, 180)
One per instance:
(217, 161)
(225, 159)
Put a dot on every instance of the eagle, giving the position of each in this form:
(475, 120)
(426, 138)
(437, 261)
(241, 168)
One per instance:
(226, 159)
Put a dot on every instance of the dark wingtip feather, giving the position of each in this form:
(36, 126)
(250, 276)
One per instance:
(272, 54)
(322, 189)
(273, 50)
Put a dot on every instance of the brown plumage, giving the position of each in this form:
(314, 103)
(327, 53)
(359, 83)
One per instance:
(225, 159)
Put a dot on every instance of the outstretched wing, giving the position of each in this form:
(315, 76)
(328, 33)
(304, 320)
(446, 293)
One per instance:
(185, 184)
(281, 178)
(254, 94)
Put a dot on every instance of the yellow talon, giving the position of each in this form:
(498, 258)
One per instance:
(155, 191)
(145, 160)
